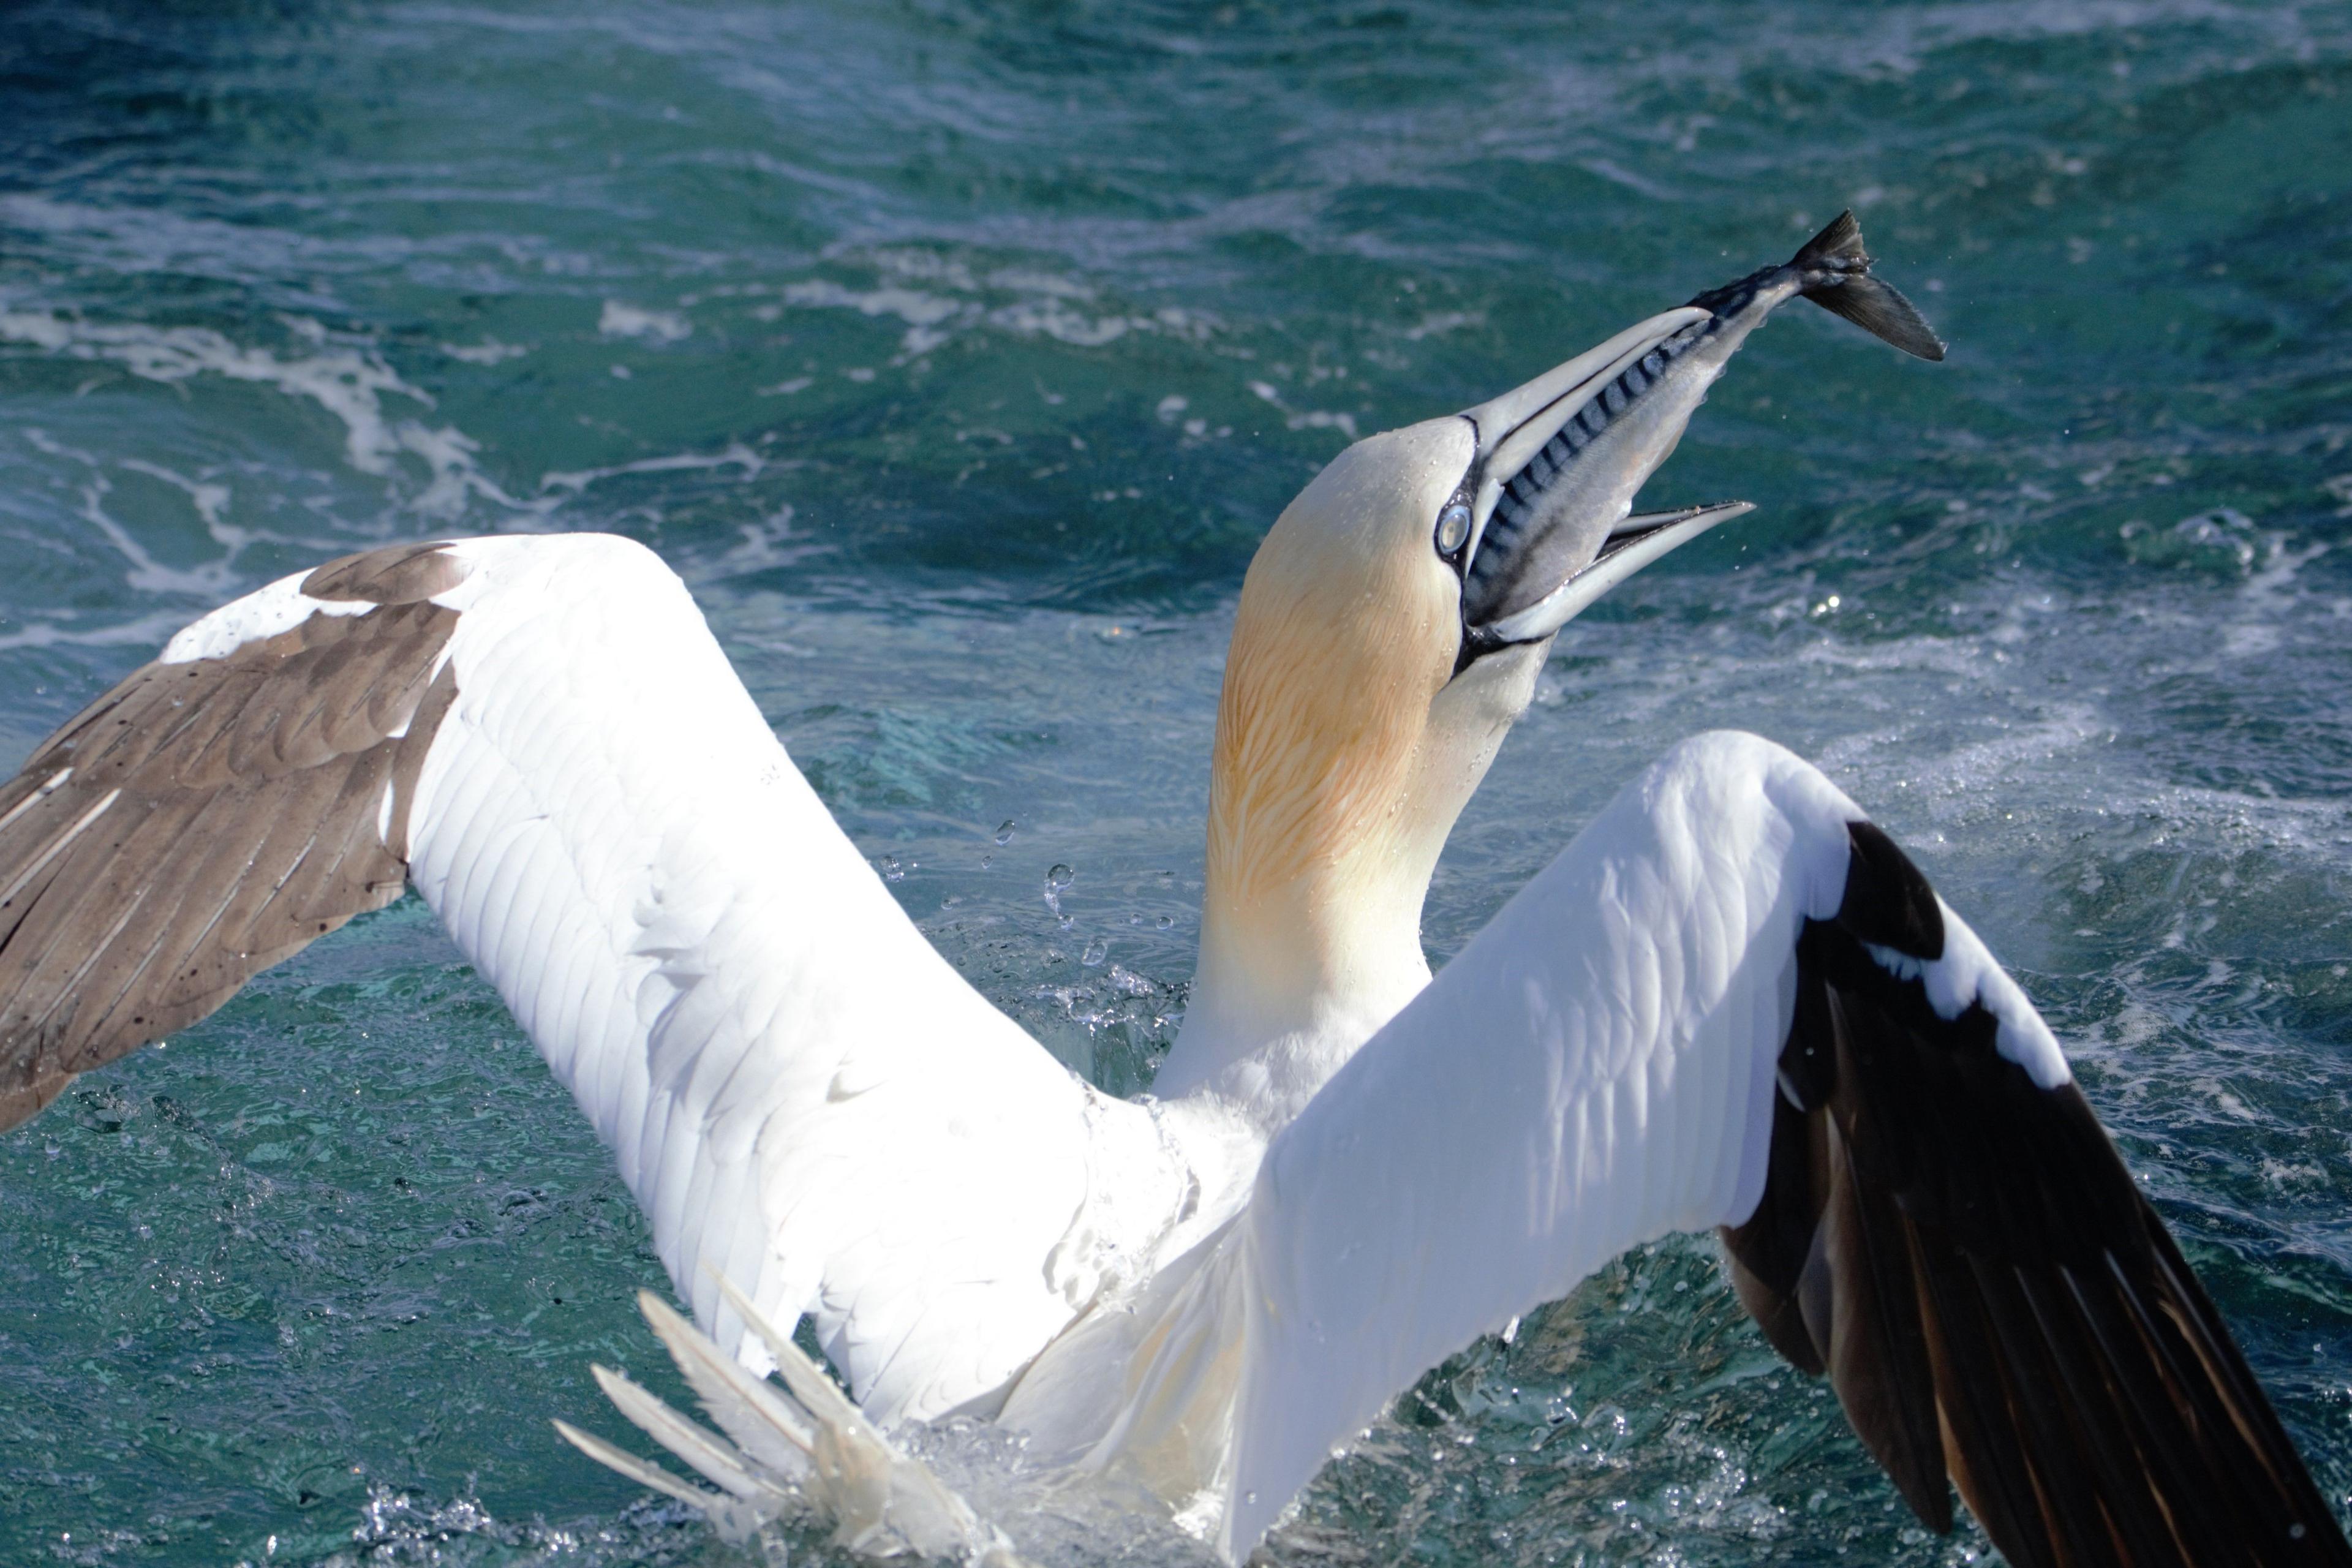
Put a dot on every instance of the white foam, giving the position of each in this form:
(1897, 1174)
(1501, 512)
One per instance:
(489, 350)
(209, 499)
(1310, 419)
(348, 381)
(764, 548)
(923, 313)
(140, 632)
(622, 321)
(1040, 305)
(209, 581)
(2266, 601)
(737, 455)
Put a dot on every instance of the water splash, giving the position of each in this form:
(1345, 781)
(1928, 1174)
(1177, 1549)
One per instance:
(348, 380)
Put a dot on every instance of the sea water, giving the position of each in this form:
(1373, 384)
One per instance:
(958, 354)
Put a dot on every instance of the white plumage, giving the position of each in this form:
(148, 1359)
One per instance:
(1593, 1070)
(804, 1097)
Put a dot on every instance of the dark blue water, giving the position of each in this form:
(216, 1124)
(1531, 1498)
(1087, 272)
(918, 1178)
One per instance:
(959, 354)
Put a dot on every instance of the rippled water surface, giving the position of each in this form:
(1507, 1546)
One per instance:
(958, 354)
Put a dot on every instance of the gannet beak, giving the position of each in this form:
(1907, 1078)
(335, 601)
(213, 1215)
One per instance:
(1632, 544)
(1559, 460)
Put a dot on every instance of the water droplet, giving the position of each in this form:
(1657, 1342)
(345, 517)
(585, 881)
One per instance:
(1167, 921)
(1096, 951)
(891, 870)
(1004, 830)
(986, 861)
(1057, 882)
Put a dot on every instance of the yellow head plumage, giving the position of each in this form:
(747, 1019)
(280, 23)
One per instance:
(1346, 747)
(1348, 628)
(1353, 729)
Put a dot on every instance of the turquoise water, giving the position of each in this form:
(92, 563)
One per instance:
(958, 354)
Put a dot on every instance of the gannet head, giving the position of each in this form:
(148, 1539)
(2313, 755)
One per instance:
(1389, 631)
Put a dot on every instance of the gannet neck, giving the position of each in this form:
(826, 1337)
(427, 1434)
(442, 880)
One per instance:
(1337, 774)
(1294, 977)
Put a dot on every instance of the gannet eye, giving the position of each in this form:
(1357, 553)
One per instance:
(1452, 528)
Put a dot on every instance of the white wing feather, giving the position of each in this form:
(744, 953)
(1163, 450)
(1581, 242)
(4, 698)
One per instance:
(1593, 1070)
(803, 1096)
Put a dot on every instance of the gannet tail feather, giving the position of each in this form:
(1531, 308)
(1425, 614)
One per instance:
(875, 1491)
(816, 1393)
(1733, 1002)
(717, 1462)
(1837, 277)
(653, 1477)
(811, 1443)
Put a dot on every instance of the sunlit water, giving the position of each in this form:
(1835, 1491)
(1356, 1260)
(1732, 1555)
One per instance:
(958, 354)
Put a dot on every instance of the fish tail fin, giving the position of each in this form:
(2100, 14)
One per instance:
(1880, 310)
(1837, 247)
(1837, 277)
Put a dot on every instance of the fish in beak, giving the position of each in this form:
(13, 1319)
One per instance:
(1543, 523)
(1389, 635)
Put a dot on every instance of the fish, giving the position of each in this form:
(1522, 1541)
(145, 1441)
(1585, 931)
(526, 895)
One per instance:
(1572, 495)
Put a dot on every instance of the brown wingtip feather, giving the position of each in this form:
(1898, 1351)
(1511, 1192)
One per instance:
(20, 1104)
(203, 820)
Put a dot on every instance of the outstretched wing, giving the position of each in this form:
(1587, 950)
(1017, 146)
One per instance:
(214, 813)
(542, 735)
(1732, 1002)
(1946, 1231)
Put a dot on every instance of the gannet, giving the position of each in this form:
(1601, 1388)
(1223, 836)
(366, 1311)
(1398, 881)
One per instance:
(1731, 1001)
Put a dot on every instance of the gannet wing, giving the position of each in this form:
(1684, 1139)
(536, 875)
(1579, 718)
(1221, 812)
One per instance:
(194, 825)
(1732, 1002)
(544, 736)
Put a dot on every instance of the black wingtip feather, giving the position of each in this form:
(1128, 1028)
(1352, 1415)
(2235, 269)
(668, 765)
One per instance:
(1861, 1307)
(1926, 1201)
(1888, 901)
